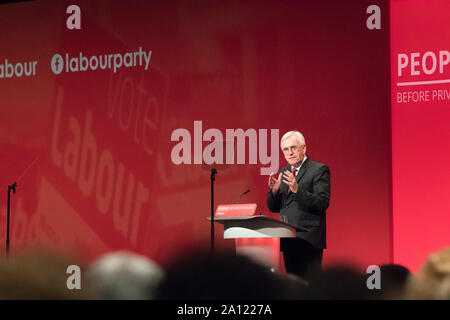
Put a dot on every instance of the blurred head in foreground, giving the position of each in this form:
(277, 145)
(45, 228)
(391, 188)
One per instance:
(339, 282)
(217, 277)
(38, 275)
(124, 275)
(433, 279)
(394, 278)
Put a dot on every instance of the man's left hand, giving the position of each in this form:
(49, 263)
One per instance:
(290, 180)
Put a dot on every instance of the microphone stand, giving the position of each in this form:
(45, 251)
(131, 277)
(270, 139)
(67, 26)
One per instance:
(8, 209)
(13, 188)
(212, 177)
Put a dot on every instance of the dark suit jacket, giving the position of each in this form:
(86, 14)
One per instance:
(307, 207)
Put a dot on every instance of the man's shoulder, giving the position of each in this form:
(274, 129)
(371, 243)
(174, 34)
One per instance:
(316, 165)
(311, 165)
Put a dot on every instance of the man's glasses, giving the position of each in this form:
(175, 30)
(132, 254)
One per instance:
(293, 149)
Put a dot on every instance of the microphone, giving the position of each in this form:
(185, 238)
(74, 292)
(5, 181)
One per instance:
(243, 194)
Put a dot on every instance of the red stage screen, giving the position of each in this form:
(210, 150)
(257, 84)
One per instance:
(109, 130)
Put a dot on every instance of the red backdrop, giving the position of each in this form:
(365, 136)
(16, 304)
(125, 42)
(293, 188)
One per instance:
(420, 131)
(104, 178)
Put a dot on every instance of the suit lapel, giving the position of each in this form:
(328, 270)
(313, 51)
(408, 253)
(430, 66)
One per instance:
(303, 169)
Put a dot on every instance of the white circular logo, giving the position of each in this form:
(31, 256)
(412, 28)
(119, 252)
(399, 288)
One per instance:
(57, 64)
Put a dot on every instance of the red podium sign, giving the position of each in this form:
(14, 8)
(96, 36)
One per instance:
(235, 210)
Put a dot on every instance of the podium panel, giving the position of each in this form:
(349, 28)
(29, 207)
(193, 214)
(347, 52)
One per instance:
(265, 251)
(258, 237)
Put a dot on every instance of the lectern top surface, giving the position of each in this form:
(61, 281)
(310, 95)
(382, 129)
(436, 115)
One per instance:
(257, 217)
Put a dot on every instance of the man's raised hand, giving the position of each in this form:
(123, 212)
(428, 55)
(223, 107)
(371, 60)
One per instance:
(290, 180)
(274, 183)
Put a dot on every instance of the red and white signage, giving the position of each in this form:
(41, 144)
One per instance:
(235, 210)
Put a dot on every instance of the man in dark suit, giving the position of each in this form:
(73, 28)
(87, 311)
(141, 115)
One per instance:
(301, 193)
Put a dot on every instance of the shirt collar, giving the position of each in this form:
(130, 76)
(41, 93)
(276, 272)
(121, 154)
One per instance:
(298, 168)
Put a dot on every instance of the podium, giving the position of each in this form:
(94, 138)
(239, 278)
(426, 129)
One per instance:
(258, 236)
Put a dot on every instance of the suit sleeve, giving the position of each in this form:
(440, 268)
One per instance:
(274, 201)
(319, 199)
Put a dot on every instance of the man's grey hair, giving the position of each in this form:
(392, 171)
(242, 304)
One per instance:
(298, 134)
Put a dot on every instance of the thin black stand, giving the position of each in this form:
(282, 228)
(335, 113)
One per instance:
(13, 188)
(8, 210)
(213, 177)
